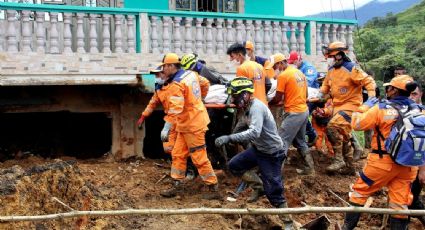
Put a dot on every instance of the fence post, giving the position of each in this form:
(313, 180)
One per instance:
(310, 43)
(144, 39)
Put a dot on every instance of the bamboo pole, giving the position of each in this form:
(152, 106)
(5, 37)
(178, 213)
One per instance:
(190, 211)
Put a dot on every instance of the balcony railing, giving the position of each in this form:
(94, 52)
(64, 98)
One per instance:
(67, 29)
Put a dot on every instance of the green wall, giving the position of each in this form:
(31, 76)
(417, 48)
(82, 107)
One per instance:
(147, 4)
(267, 7)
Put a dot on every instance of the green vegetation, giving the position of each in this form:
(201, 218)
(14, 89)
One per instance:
(395, 40)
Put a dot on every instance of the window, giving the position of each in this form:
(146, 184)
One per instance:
(183, 4)
(230, 6)
(90, 3)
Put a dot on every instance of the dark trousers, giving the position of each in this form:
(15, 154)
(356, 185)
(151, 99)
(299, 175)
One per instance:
(416, 190)
(270, 171)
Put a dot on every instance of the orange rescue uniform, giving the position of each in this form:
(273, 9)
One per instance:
(293, 84)
(344, 85)
(190, 116)
(379, 172)
(161, 96)
(255, 72)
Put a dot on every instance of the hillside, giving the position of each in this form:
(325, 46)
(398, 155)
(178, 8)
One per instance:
(370, 10)
(395, 40)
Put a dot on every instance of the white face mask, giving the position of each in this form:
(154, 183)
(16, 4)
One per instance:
(330, 61)
(159, 81)
(277, 72)
(236, 63)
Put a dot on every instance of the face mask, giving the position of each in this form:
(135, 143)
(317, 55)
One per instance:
(330, 61)
(159, 81)
(277, 72)
(236, 63)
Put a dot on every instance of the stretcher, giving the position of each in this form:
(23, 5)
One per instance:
(219, 106)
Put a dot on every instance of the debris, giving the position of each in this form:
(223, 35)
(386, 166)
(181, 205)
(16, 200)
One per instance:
(339, 198)
(62, 203)
(161, 179)
(321, 223)
(231, 199)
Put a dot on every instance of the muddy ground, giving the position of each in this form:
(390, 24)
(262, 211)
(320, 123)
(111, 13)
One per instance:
(28, 185)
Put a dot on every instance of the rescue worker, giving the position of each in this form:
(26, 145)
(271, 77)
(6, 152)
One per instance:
(343, 82)
(268, 152)
(249, 46)
(292, 90)
(320, 119)
(190, 62)
(311, 74)
(380, 170)
(189, 115)
(161, 97)
(251, 70)
(417, 185)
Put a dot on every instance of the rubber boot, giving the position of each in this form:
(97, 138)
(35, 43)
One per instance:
(172, 192)
(255, 182)
(350, 221)
(338, 161)
(309, 167)
(347, 152)
(213, 193)
(358, 150)
(398, 224)
(287, 219)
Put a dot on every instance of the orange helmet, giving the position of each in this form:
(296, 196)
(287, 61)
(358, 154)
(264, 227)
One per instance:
(334, 48)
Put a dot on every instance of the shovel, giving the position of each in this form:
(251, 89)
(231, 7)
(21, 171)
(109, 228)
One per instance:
(321, 223)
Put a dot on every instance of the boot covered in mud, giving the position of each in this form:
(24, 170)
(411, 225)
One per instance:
(358, 149)
(255, 182)
(350, 221)
(309, 164)
(347, 152)
(212, 193)
(288, 222)
(337, 162)
(398, 224)
(176, 187)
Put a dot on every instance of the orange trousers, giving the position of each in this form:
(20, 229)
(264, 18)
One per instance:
(193, 145)
(384, 172)
(321, 137)
(169, 145)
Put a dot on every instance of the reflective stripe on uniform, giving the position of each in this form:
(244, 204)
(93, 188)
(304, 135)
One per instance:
(204, 177)
(177, 172)
(397, 206)
(177, 98)
(194, 149)
(174, 111)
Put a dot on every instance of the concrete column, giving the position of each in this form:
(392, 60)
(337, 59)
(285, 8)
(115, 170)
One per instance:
(313, 38)
(144, 32)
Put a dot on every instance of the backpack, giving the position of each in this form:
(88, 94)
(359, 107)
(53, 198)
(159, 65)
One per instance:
(406, 142)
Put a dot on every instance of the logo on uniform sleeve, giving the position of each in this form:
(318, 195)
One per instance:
(343, 90)
(310, 71)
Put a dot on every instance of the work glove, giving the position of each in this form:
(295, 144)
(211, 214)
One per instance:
(371, 102)
(165, 132)
(140, 121)
(220, 141)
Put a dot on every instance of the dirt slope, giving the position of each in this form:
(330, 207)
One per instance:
(28, 185)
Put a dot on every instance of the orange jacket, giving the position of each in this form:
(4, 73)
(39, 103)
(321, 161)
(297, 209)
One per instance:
(185, 101)
(381, 116)
(345, 86)
(293, 84)
(162, 95)
(256, 73)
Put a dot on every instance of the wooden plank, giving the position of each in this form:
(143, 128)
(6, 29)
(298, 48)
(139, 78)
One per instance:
(70, 79)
